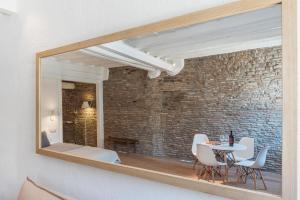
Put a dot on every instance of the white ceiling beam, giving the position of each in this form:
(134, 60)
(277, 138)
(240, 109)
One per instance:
(95, 51)
(121, 52)
(126, 51)
(8, 7)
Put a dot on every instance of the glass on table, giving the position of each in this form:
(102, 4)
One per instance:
(222, 139)
(226, 140)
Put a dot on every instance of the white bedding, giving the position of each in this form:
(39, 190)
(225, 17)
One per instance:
(94, 153)
(63, 147)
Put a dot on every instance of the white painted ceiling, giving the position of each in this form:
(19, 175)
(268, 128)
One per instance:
(53, 68)
(250, 30)
(257, 29)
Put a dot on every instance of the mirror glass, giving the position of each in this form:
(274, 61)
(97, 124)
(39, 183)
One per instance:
(202, 101)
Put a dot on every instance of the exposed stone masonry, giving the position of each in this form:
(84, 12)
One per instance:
(74, 116)
(239, 91)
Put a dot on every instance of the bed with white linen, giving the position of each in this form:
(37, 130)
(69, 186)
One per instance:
(94, 153)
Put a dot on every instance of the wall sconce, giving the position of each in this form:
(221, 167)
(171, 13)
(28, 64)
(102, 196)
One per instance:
(52, 115)
(86, 104)
(52, 126)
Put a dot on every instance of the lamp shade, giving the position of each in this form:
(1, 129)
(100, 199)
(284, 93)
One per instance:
(85, 104)
(52, 115)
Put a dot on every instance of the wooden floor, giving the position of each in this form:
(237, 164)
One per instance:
(181, 168)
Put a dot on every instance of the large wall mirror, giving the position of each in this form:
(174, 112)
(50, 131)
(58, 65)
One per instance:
(202, 102)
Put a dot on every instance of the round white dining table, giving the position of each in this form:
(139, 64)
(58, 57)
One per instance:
(227, 149)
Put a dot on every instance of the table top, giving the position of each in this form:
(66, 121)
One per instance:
(226, 147)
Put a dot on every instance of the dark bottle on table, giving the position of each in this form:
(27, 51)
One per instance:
(231, 139)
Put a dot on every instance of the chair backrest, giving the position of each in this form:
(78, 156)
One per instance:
(249, 152)
(206, 155)
(261, 158)
(198, 139)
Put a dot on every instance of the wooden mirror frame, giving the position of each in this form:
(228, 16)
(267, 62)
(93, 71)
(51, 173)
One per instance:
(290, 115)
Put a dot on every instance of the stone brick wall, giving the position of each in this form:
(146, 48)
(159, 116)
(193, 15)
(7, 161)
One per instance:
(74, 116)
(239, 91)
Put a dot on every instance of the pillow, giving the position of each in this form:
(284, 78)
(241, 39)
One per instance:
(45, 140)
(31, 191)
(53, 138)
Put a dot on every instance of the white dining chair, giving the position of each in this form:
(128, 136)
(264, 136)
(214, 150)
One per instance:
(247, 167)
(210, 165)
(246, 154)
(198, 139)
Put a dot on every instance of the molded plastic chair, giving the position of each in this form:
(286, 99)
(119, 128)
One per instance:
(246, 154)
(207, 158)
(198, 139)
(251, 168)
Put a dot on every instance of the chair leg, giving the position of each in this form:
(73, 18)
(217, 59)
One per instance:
(218, 170)
(195, 163)
(209, 173)
(205, 174)
(262, 178)
(201, 172)
(213, 174)
(247, 172)
(223, 176)
(254, 178)
(253, 173)
(239, 174)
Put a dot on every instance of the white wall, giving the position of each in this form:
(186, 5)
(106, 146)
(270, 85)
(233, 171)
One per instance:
(40, 25)
(51, 112)
(53, 73)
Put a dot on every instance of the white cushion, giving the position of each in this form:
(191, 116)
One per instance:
(53, 137)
